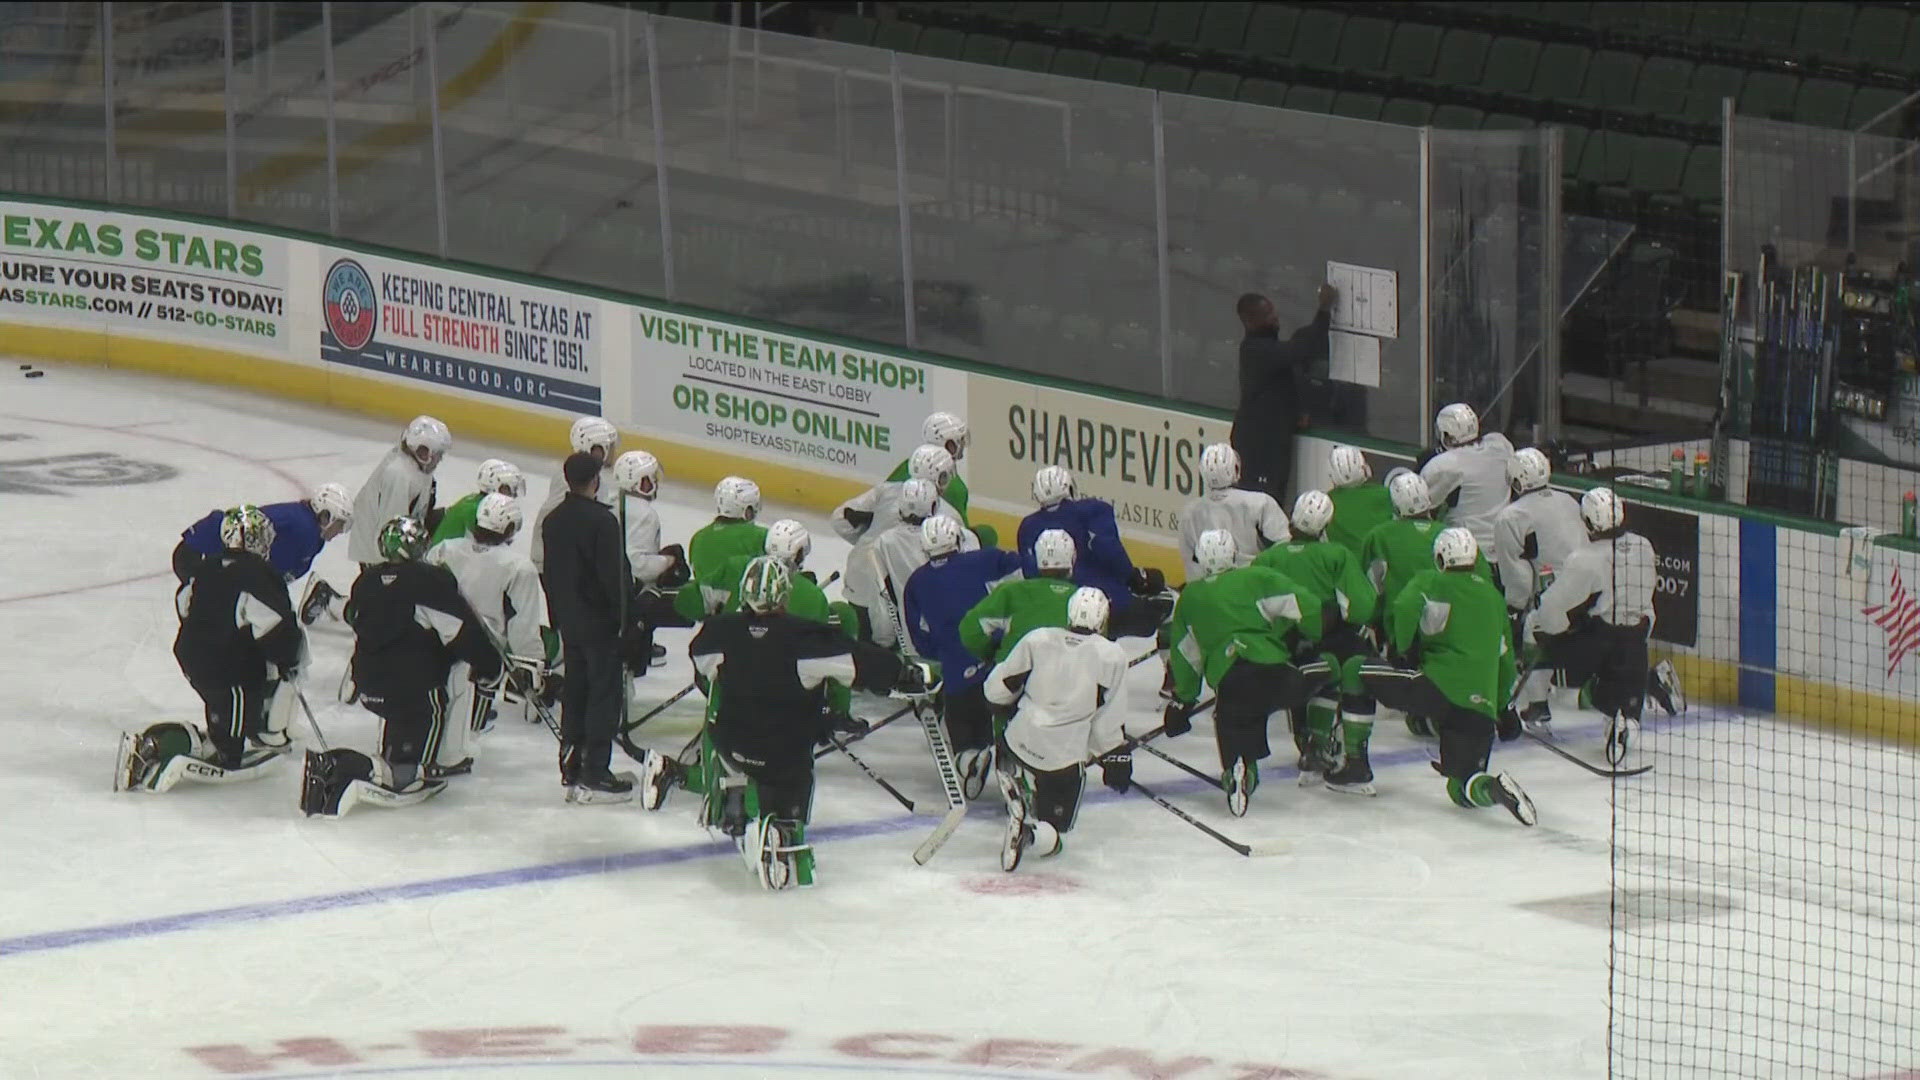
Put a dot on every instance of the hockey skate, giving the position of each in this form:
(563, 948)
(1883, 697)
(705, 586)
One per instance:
(1238, 782)
(462, 767)
(603, 787)
(317, 602)
(1353, 777)
(1508, 793)
(975, 767)
(1019, 835)
(1663, 685)
(1537, 719)
(1622, 732)
(656, 779)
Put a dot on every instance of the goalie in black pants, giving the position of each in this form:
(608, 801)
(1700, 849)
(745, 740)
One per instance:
(410, 625)
(765, 670)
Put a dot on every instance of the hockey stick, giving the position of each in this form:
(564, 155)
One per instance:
(1582, 762)
(873, 776)
(628, 727)
(1244, 849)
(884, 721)
(311, 722)
(1181, 765)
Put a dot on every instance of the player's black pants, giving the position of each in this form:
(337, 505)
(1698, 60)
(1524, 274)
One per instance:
(1466, 736)
(783, 787)
(1344, 641)
(233, 713)
(591, 700)
(969, 718)
(1055, 793)
(1248, 694)
(186, 561)
(412, 722)
(1613, 658)
(651, 611)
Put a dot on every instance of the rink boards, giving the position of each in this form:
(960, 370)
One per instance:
(1755, 609)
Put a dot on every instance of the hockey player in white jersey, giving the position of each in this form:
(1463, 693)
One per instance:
(400, 486)
(877, 572)
(1254, 519)
(1532, 536)
(505, 592)
(1063, 682)
(875, 509)
(1594, 619)
(659, 570)
(1469, 474)
(589, 435)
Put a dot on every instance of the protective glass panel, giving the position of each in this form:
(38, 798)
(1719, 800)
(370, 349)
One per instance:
(1033, 221)
(547, 170)
(50, 79)
(1261, 200)
(782, 178)
(279, 96)
(1490, 258)
(383, 130)
(169, 89)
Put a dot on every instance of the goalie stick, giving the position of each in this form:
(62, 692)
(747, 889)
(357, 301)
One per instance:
(949, 782)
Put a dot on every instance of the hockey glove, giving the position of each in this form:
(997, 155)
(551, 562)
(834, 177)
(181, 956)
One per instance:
(1177, 720)
(679, 573)
(859, 519)
(1147, 581)
(1116, 770)
(1508, 725)
(918, 678)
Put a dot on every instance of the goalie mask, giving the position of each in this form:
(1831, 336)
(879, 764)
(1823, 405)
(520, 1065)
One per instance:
(765, 586)
(245, 528)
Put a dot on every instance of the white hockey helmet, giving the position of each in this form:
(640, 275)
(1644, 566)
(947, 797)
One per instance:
(333, 501)
(931, 462)
(789, 541)
(1311, 513)
(1409, 495)
(591, 433)
(1219, 467)
(947, 431)
(1087, 610)
(1600, 508)
(939, 535)
(428, 440)
(1455, 549)
(1347, 466)
(1528, 470)
(498, 514)
(1053, 484)
(637, 473)
(1457, 425)
(501, 477)
(1053, 550)
(736, 497)
(1216, 550)
(246, 528)
(918, 500)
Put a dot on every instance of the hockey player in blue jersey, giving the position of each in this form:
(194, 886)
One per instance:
(1134, 593)
(938, 596)
(300, 530)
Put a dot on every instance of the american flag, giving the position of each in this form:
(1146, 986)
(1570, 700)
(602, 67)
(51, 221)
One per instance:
(1900, 618)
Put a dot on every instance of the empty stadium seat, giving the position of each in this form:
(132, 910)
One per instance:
(1363, 44)
(1271, 30)
(1561, 73)
(1223, 27)
(1414, 51)
(1463, 58)
(1510, 65)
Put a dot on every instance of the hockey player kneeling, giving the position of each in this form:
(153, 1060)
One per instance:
(766, 668)
(240, 647)
(1062, 682)
(1608, 587)
(1339, 720)
(410, 626)
(937, 599)
(1254, 519)
(1452, 623)
(1239, 631)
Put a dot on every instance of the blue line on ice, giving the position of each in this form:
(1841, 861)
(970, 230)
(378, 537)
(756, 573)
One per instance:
(498, 879)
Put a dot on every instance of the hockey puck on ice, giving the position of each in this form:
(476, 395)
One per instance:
(26, 367)
(35, 374)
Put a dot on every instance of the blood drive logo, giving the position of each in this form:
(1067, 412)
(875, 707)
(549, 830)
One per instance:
(353, 313)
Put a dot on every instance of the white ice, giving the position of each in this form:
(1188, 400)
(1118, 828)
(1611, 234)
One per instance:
(495, 931)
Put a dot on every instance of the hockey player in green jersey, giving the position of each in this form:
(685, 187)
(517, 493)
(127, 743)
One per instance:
(719, 592)
(733, 532)
(992, 627)
(1240, 631)
(496, 478)
(1450, 627)
(1359, 505)
(1339, 720)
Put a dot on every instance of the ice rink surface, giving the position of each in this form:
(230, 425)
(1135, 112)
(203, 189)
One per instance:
(496, 932)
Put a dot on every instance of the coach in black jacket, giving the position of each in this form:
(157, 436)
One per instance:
(1273, 386)
(586, 574)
